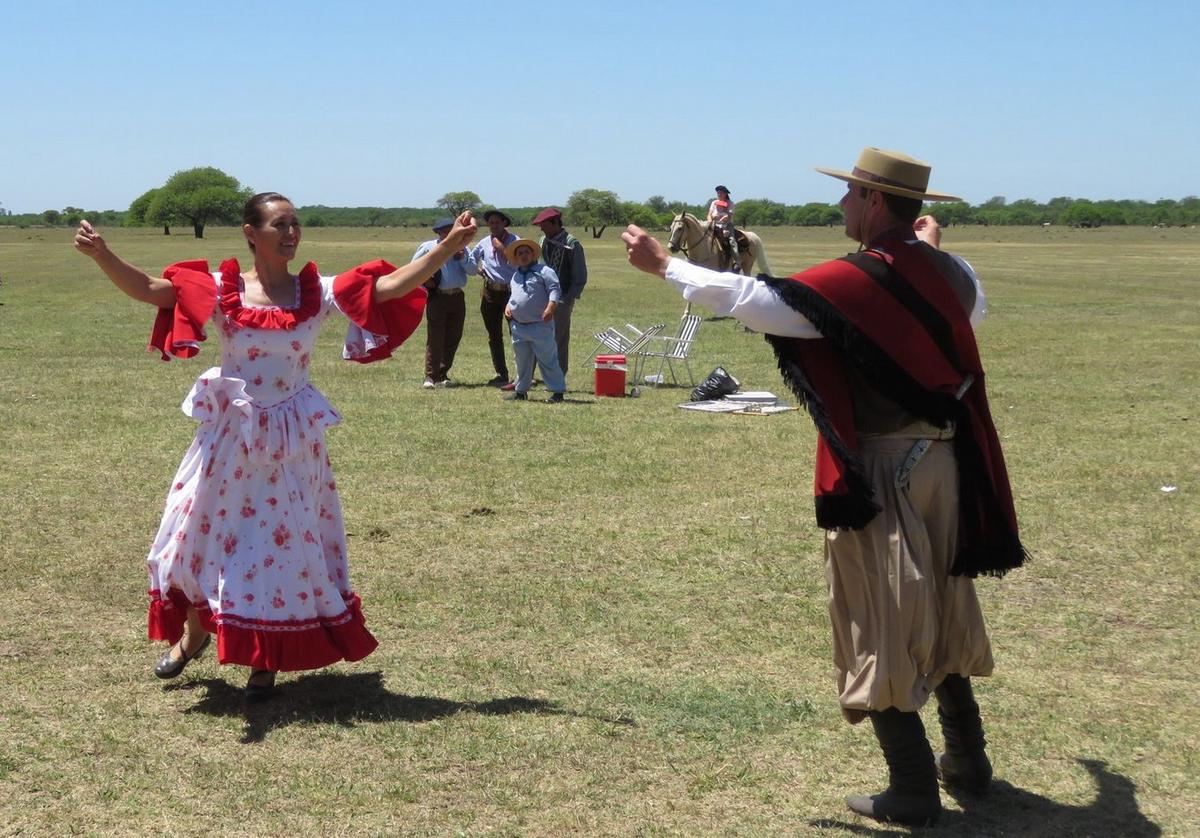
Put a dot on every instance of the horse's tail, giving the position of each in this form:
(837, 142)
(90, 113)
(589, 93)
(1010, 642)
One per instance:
(760, 255)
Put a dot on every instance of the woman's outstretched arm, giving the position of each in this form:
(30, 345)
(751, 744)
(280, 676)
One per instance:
(405, 279)
(133, 281)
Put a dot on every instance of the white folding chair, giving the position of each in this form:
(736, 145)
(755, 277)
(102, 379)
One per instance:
(678, 347)
(629, 345)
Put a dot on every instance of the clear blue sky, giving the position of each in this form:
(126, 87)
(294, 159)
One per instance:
(396, 103)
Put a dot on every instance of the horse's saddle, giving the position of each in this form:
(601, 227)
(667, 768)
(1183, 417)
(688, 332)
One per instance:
(743, 243)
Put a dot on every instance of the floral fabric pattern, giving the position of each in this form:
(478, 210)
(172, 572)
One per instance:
(252, 534)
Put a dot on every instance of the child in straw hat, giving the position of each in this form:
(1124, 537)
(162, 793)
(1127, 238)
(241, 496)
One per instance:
(530, 310)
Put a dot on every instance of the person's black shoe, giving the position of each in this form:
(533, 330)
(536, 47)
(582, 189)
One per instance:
(498, 381)
(260, 686)
(514, 396)
(555, 398)
(168, 667)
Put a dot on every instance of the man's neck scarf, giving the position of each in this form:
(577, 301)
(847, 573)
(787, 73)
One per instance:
(890, 315)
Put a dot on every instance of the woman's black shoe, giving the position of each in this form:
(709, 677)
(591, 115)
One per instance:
(260, 686)
(168, 667)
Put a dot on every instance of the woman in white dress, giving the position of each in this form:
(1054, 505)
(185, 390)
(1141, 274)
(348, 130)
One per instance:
(252, 547)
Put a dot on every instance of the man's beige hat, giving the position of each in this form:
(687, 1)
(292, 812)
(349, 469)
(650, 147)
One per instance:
(510, 251)
(892, 172)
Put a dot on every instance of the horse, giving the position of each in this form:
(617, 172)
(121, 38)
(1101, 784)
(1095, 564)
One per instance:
(696, 240)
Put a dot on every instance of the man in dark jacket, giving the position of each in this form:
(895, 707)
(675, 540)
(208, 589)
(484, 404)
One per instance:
(563, 253)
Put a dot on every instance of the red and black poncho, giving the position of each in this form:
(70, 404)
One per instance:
(891, 315)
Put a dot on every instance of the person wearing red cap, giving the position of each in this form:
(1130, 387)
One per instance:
(563, 253)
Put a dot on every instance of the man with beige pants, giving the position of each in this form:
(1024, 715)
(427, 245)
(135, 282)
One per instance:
(910, 480)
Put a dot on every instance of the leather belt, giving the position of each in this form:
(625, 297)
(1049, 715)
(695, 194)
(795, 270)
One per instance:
(904, 472)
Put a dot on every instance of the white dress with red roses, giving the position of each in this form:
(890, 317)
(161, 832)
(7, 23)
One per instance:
(252, 535)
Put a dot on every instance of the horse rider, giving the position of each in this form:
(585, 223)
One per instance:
(720, 215)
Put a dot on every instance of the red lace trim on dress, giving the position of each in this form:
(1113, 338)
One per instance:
(269, 317)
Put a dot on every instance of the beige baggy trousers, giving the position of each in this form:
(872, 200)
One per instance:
(901, 623)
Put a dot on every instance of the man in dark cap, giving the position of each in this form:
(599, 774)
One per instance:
(446, 309)
(494, 267)
(910, 486)
(563, 253)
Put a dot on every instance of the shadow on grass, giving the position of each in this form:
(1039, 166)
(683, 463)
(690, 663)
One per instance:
(350, 699)
(1008, 810)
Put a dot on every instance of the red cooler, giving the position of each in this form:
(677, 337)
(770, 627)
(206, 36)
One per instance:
(610, 375)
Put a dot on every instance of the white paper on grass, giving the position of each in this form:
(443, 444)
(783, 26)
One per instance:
(754, 396)
(726, 406)
(713, 406)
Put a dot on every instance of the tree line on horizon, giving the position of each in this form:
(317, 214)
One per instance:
(198, 197)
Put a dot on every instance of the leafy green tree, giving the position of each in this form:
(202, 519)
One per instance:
(761, 212)
(594, 209)
(1082, 213)
(457, 203)
(953, 212)
(815, 215)
(657, 203)
(52, 217)
(1189, 210)
(138, 214)
(641, 215)
(197, 197)
(1025, 212)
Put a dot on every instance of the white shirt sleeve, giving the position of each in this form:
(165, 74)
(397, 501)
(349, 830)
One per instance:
(754, 303)
(980, 309)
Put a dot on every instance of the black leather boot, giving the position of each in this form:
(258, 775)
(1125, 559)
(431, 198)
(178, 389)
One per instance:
(964, 766)
(911, 797)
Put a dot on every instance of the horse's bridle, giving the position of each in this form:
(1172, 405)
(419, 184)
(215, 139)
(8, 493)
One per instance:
(683, 247)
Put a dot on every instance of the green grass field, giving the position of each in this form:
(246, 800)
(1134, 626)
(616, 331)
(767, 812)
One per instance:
(606, 617)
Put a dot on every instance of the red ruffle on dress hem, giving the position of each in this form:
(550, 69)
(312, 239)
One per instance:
(386, 325)
(291, 646)
(178, 330)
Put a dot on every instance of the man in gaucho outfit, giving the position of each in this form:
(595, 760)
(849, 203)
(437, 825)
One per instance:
(910, 481)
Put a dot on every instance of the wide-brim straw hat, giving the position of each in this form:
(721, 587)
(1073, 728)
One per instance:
(510, 251)
(892, 172)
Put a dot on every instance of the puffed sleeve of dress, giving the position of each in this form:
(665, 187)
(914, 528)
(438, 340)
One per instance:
(179, 330)
(376, 328)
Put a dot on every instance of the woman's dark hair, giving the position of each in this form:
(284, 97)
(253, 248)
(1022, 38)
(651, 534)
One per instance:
(254, 211)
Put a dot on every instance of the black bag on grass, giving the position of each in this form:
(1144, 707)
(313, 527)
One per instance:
(718, 385)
